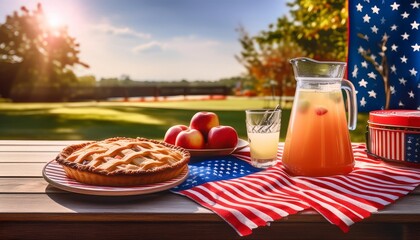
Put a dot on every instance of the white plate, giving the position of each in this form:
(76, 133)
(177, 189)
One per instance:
(54, 174)
(217, 152)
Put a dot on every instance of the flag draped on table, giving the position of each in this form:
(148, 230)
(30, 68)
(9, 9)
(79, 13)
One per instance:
(247, 197)
(384, 43)
(244, 202)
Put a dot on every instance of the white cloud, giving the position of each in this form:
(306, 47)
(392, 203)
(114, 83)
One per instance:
(192, 46)
(184, 57)
(152, 46)
(185, 46)
(120, 31)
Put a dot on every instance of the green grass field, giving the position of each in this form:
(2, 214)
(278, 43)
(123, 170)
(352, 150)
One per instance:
(98, 120)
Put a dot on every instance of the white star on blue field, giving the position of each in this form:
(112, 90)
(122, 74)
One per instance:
(215, 169)
(397, 24)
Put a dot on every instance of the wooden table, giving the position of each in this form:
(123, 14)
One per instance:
(32, 209)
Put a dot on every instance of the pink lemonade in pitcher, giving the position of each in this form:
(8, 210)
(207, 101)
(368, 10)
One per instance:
(318, 139)
(319, 124)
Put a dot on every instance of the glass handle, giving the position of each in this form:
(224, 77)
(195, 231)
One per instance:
(348, 87)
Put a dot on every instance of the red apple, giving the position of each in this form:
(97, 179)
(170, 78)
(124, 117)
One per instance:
(222, 137)
(204, 121)
(190, 139)
(172, 133)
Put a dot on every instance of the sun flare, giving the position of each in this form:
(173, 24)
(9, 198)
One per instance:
(60, 14)
(54, 20)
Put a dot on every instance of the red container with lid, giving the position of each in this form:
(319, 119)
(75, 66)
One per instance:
(394, 135)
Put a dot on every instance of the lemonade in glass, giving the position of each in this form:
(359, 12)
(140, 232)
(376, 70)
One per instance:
(263, 129)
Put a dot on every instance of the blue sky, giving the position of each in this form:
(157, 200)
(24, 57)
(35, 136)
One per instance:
(158, 39)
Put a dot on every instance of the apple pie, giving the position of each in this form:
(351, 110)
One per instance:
(123, 161)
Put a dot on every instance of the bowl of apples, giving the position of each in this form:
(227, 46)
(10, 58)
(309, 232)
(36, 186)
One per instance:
(205, 136)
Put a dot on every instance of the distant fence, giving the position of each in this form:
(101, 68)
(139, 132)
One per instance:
(46, 94)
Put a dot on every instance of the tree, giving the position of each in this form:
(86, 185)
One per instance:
(86, 81)
(319, 27)
(267, 63)
(315, 28)
(109, 82)
(33, 54)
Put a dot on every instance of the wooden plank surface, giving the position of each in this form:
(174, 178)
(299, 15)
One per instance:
(21, 169)
(34, 146)
(199, 230)
(17, 157)
(25, 185)
(39, 185)
(38, 142)
(28, 202)
(159, 203)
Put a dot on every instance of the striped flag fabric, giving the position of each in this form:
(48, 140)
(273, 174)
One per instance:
(384, 46)
(258, 197)
(246, 202)
(396, 145)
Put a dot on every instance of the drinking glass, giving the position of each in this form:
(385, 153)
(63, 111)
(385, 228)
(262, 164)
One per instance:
(263, 129)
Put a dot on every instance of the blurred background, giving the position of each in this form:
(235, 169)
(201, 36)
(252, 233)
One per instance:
(74, 69)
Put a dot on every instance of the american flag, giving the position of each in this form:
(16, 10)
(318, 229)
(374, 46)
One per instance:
(257, 197)
(390, 29)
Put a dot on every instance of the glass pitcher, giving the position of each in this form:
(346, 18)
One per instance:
(318, 141)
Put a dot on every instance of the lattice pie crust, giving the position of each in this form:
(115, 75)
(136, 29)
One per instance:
(123, 161)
